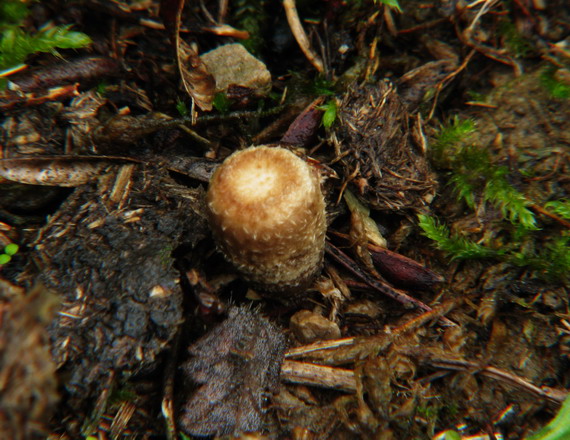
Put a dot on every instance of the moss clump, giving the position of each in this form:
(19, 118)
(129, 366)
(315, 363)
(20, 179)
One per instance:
(510, 228)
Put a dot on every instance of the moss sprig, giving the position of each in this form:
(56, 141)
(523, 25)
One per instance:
(449, 137)
(552, 262)
(513, 205)
(456, 246)
(560, 208)
(16, 44)
(556, 88)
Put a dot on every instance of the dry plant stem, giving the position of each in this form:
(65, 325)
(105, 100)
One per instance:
(546, 213)
(91, 423)
(552, 394)
(466, 38)
(223, 10)
(318, 346)
(448, 78)
(346, 350)
(436, 313)
(423, 26)
(318, 375)
(167, 404)
(39, 97)
(122, 419)
(300, 35)
(121, 188)
(378, 285)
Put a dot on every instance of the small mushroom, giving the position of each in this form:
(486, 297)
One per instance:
(267, 214)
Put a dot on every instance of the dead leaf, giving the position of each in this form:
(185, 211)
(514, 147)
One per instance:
(53, 171)
(197, 81)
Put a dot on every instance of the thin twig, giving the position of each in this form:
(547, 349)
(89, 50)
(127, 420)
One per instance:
(552, 394)
(446, 80)
(378, 285)
(553, 216)
(300, 35)
(323, 345)
(423, 26)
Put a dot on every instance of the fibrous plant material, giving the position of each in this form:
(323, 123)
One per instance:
(387, 170)
(267, 214)
(197, 81)
(235, 364)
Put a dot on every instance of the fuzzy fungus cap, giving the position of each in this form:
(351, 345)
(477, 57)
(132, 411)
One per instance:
(267, 213)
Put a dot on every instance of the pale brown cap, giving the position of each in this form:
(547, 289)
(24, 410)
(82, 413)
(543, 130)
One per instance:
(267, 214)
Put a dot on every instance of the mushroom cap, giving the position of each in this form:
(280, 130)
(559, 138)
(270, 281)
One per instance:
(267, 214)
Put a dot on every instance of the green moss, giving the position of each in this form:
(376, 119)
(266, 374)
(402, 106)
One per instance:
(457, 247)
(556, 88)
(322, 87)
(516, 44)
(16, 44)
(12, 12)
(512, 204)
(330, 112)
(551, 262)
(449, 137)
(249, 16)
(513, 235)
(221, 102)
(9, 251)
(560, 208)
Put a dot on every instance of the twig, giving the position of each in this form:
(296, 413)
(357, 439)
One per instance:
(448, 78)
(423, 26)
(546, 213)
(122, 419)
(552, 394)
(167, 404)
(324, 345)
(318, 375)
(378, 285)
(346, 350)
(300, 35)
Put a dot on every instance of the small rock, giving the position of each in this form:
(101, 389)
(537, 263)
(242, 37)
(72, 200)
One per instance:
(232, 64)
(310, 327)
